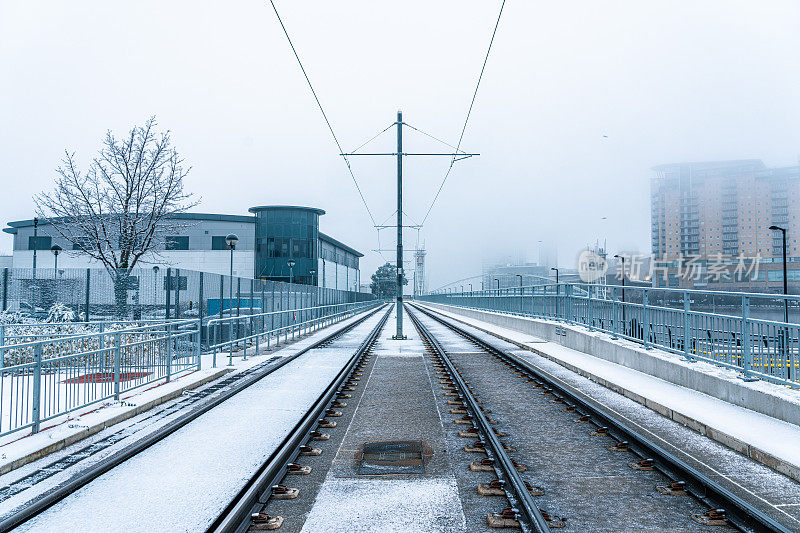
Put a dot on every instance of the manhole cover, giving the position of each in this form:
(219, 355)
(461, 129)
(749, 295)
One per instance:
(391, 457)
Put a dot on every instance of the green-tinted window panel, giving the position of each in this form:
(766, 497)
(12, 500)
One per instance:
(175, 242)
(40, 243)
(218, 242)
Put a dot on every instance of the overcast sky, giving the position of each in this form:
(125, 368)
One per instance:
(664, 81)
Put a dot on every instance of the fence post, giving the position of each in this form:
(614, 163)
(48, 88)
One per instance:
(646, 320)
(198, 345)
(177, 293)
(168, 282)
(687, 338)
(747, 354)
(169, 351)
(37, 386)
(5, 288)
(221, 293)
(88, 276)
(614, 314)
(214, 344)
(589, 308)
(117, 363)
(200, 302)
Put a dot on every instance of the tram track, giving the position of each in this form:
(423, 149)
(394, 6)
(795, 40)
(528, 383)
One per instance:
(723, 507)
(247, 509)
(197, 403)
(531, 518)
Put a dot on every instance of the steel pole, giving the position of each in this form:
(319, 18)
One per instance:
(785, 281)
(399, 334)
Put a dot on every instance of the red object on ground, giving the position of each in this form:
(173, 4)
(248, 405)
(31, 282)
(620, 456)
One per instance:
(105, 377)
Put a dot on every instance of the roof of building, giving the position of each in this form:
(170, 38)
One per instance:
(14, 225)
(294, 207)
(340, 244)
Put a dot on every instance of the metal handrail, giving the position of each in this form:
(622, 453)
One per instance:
(315, 322)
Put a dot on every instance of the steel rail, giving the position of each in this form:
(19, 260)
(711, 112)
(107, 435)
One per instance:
(30, 509)
(741, 513)
(236, 516)
(531, 511)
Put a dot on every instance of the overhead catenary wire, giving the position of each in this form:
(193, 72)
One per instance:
(469, 112)
(319, 104)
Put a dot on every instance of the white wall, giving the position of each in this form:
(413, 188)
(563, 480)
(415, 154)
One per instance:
(214, 261)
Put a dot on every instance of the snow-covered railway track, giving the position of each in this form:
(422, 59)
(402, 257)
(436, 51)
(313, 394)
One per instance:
(188, 408)
(525, 400)
(246, 510)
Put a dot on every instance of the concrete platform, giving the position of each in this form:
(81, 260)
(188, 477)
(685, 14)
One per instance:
(397, 404)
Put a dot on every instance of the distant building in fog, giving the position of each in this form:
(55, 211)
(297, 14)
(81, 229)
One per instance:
(717, 215)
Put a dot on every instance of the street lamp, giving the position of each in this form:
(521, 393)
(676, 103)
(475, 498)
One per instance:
(291, 264)
(56, 249)
(498, 283)
(470, 289)
(785, 275)
(35, 242)
(155, 288)
(231, 241)
(311, 273)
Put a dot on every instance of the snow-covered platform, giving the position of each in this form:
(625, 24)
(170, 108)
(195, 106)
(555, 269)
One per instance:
(706, 432)
(22, 448)
(398, 403)
(185, 480)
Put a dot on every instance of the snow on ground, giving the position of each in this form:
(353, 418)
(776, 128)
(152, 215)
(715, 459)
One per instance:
(385, 505)
(766, 433)
(19, 444)
(184, 481)
(429, 503)
(410, 347)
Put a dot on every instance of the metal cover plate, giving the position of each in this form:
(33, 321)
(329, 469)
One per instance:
(391, 457)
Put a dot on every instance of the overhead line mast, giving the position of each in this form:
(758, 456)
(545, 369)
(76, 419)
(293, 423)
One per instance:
(457, 156)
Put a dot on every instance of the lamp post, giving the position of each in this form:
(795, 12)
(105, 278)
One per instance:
(35, 242)
(291, 264)
(311, 273)
(785, 275)
(498, 284)
(155, 287)
(56, 249)
(470, 289)
(231, 241)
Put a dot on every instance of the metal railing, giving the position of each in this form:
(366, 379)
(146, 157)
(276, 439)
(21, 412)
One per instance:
(54, 376)
(237, 333)
(743, 331)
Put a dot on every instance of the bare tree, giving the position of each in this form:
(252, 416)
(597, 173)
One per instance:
(121, 207)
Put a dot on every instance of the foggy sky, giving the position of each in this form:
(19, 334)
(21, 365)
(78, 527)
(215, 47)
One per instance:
(665, 81)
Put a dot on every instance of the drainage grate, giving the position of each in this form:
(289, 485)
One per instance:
(391, 457)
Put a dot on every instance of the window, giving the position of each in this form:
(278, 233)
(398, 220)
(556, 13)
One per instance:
(39, 243)
(218, 242)
(176, 243)
(82, 244)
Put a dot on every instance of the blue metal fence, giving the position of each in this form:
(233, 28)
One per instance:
(756, 334)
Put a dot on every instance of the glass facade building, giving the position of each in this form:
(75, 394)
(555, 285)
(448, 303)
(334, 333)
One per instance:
(284, 233)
